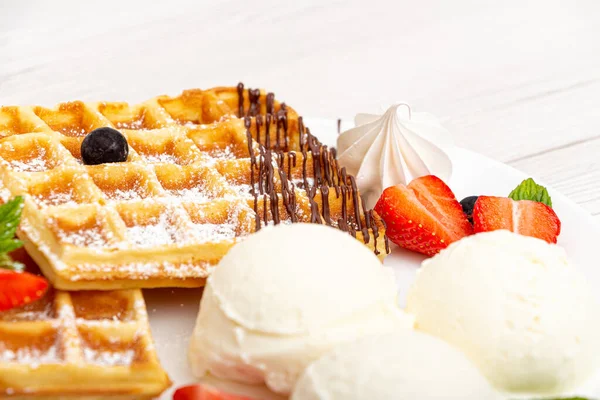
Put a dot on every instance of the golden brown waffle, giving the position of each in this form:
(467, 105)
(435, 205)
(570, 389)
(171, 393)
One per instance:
(205, 169)
(80, 344)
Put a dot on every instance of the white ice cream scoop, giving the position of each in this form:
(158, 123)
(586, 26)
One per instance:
(406, 365)
(283, 297)
(516, 307)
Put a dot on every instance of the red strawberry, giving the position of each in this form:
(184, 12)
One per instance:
(423, 216)
(20, 288)
(529, 218)
(201, 392)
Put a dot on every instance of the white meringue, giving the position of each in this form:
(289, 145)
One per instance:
(393, 148)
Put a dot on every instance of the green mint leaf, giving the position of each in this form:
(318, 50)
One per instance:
(6, 246)
(529, 190)
(10, 216)
(569, 398)
(7, 263)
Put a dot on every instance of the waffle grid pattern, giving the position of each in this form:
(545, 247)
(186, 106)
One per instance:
(198, 178)
(88, 343)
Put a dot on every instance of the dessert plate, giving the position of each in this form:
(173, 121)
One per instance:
(173, 312)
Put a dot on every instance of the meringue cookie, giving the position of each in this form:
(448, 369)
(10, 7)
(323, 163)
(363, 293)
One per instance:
(393, 148)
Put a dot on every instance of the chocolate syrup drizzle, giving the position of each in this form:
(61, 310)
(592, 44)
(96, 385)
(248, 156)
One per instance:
(324, 175)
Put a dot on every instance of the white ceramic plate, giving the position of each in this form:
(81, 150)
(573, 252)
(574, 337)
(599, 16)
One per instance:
(173, 311)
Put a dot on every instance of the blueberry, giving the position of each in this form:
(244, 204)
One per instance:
(467, 205)
(104, 145)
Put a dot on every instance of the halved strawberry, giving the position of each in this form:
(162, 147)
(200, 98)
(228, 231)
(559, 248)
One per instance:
(201, 392)
(423, 216)
(528, 218)
(20, 288)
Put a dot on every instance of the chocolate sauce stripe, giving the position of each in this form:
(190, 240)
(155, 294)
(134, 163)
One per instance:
(270, 130)
(364, 221)
(277, 207)
(254, 97)
(324, 174)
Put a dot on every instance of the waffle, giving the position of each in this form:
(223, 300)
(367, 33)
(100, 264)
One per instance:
(81, 344)
(205, 169)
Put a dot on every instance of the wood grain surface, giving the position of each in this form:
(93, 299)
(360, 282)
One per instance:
(518, 81)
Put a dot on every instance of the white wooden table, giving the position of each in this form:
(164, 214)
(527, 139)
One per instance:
(518, 81)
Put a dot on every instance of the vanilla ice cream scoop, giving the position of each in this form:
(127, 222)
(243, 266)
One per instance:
(284, 296)
(405, 365)
(516, 307)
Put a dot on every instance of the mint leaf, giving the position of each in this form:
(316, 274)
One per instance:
(529, 190)
(10, 216)
(7, 263)
(569, 398)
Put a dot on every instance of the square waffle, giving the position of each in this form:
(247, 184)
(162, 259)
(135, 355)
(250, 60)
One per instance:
(205, 169)
(87, 344)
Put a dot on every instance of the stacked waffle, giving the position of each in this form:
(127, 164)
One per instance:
(80, 344)
(198, 178)
(204, 170)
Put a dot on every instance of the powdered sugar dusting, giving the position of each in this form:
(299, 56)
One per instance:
(162, 232)
(66, 312)
(139, 307)
(93, 237)
(73, 131)
(36, 164)
(133, 124)
(45, 313)
(108, 358)
(195, 194)
(190, 124)
(161, 158)
(56, 198)
(244, 189)
(213, 232)
(33, 165)
(119, 194)
(223, 154)
(147, 269)
(29, 355)
(5, 194)
(34, 235)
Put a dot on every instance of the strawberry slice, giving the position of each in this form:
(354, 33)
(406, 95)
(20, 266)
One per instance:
(20, 288)
(201, 392)
(528, 218)
(423, 216)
